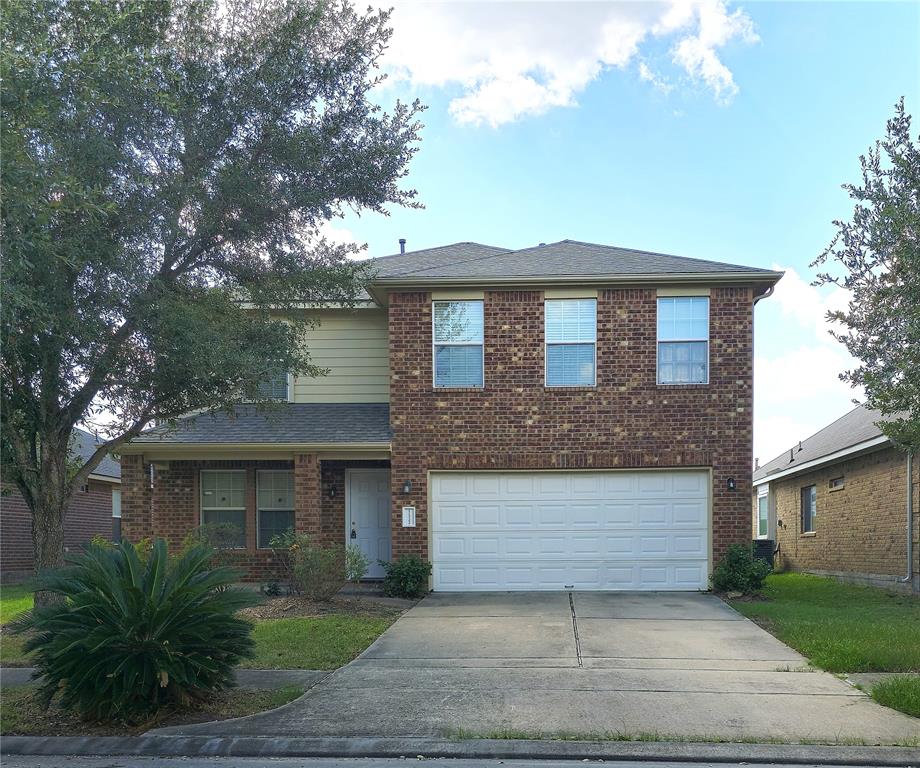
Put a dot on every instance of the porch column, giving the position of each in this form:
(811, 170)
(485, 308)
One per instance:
(135, 499)
(307, 495)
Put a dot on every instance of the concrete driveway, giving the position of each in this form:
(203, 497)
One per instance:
(592, 664)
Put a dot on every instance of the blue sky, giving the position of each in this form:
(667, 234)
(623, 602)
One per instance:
(719, 131)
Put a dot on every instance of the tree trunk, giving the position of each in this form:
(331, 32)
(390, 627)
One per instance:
(50, 496)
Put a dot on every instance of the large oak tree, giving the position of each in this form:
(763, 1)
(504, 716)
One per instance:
(162, 161)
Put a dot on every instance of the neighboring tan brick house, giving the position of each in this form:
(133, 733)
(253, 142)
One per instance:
(569, 415)
(94, 510)
(838, 504)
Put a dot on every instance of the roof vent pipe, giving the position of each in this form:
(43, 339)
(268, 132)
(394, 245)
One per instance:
(756, 463)
(800, 446)
(402, 245)
(792, 454)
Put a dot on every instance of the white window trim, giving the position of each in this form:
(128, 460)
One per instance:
(814, 514)
(763, 492)
(548, 344)
(201, 509)
(259, 508)
(435, 344)
(116, 494)
(659, 342)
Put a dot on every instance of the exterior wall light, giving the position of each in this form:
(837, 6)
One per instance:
(407, 487)
(731, 484)
(331, 491)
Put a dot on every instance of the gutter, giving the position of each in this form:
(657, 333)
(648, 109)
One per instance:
(910, 520)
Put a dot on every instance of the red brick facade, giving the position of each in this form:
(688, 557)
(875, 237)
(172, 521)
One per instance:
(627, 420)
(89, 515)
(860, 529)
(172, 508)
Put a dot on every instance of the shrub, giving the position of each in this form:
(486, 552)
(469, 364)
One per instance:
(406, 576)
(272, 589)
(313, 571)
(129, 638)
(142, 546)
(356, 563)
(739, 571)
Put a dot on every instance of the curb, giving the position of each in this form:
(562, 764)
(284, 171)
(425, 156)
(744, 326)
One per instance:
(266, 747)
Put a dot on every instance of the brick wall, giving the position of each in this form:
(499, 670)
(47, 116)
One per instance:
(627, 420)
(89, 514)
(171, 509)
(860, 530)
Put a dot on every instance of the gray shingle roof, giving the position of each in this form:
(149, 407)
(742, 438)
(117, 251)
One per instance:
(566, 258)
(855, 427)
(84, 445)
(284, 423)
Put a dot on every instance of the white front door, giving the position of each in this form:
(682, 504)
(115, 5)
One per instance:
(367, 515)
(570, 530)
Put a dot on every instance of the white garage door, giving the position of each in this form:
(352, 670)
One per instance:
(570, 530)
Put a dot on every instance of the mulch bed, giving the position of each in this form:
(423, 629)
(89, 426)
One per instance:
(288, 607)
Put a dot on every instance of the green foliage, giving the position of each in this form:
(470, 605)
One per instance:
(739, 571)
(314, 571)
(142, 547)
(272, 589)
(356, 563)
(877, 257)
(407, 576)
(163, 159)
(129, 638)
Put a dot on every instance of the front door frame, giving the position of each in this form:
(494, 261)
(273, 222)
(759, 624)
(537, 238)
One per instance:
(348, 473)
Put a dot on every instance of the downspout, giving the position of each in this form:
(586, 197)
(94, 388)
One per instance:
(765, 295)
(910, 520)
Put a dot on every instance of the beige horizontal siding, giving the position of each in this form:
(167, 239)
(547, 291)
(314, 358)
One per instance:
(353, 346)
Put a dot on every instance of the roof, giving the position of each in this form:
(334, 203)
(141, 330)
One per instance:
(567, 258)
(856, 427)
(84, 445)
(282, 423)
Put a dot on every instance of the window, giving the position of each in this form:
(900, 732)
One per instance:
(683, 340)
(223, 500)
(275, 387)
(836, 484)
(275, 503)
(116, 514)
(763, 513)
(571, 336)
(809, 508)
(458, 344)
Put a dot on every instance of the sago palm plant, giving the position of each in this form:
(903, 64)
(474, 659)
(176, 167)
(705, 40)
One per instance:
(130, 636)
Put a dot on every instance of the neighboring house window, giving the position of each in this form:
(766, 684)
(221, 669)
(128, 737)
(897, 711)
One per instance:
(275, 504)
(116, 514)
(274, 387)
(809, 508)
(458, 344)
(683, 340)
(836, 484)
(763, 512)
(571, 340)
(223, 500)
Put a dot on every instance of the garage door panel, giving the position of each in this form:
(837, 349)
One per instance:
(585, 530)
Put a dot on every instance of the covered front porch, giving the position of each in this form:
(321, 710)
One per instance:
(321, 470)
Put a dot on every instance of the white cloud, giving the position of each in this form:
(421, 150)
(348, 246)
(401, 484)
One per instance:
(798, 390)
(654, 79)
(515, 59)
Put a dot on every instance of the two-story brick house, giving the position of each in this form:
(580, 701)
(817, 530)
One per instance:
(569, 415)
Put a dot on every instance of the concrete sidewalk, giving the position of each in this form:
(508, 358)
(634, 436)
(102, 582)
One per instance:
(673, 665)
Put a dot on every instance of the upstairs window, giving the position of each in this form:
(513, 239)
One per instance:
(223, 502)
(809, 508)
(275, 387)
(458, 343)
(571, 341)
(275, 504)
(683, 340)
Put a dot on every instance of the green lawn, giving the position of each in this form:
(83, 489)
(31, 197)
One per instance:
(325, 642)
(901, 693)
(14, 599)
(840, 627)
(22, 714)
